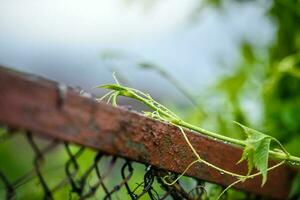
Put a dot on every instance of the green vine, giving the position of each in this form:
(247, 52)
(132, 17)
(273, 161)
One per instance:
(256, 147)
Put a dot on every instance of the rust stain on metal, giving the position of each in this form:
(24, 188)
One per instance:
(31, 103)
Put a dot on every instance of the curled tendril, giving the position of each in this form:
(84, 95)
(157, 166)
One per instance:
(164, 114)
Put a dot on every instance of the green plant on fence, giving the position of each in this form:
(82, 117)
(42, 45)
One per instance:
(256, 146)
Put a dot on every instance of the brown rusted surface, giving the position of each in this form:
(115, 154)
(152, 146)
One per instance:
(34, 104)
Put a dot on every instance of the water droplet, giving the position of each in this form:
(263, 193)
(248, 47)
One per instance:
(292, 163)
(225, 142)
(221, 173)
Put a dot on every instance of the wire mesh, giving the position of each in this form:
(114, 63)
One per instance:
(35, 168)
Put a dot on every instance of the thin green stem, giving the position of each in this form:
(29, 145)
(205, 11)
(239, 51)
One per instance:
(228, 187)
(281, 146)
(208, 163)
(104, 96)
(168, 115)
(114, 98)
(182, 174)
(250, 176)
(211, 134)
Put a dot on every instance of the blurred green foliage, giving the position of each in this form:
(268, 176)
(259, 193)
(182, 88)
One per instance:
(268, 77)
(272, 76)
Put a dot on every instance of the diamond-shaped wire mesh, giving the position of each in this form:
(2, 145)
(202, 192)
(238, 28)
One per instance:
(35, 168)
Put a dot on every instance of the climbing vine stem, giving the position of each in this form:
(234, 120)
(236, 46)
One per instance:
(256, 146)
(168, 116)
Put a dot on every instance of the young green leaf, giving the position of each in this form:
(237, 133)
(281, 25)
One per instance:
(257, 144)
(256, 151)
(248, 156)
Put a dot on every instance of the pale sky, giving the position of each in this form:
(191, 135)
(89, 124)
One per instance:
(81, 21)
(63, 39)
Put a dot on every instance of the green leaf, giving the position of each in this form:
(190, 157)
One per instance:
(256, 151)
(248, 156)
(115, 87)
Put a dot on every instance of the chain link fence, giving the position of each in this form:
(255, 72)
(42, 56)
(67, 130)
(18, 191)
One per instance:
(49, 169)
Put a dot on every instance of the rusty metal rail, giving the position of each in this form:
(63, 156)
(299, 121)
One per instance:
(50, 110)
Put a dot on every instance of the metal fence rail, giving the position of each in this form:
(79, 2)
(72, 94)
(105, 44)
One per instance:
(51, 110)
